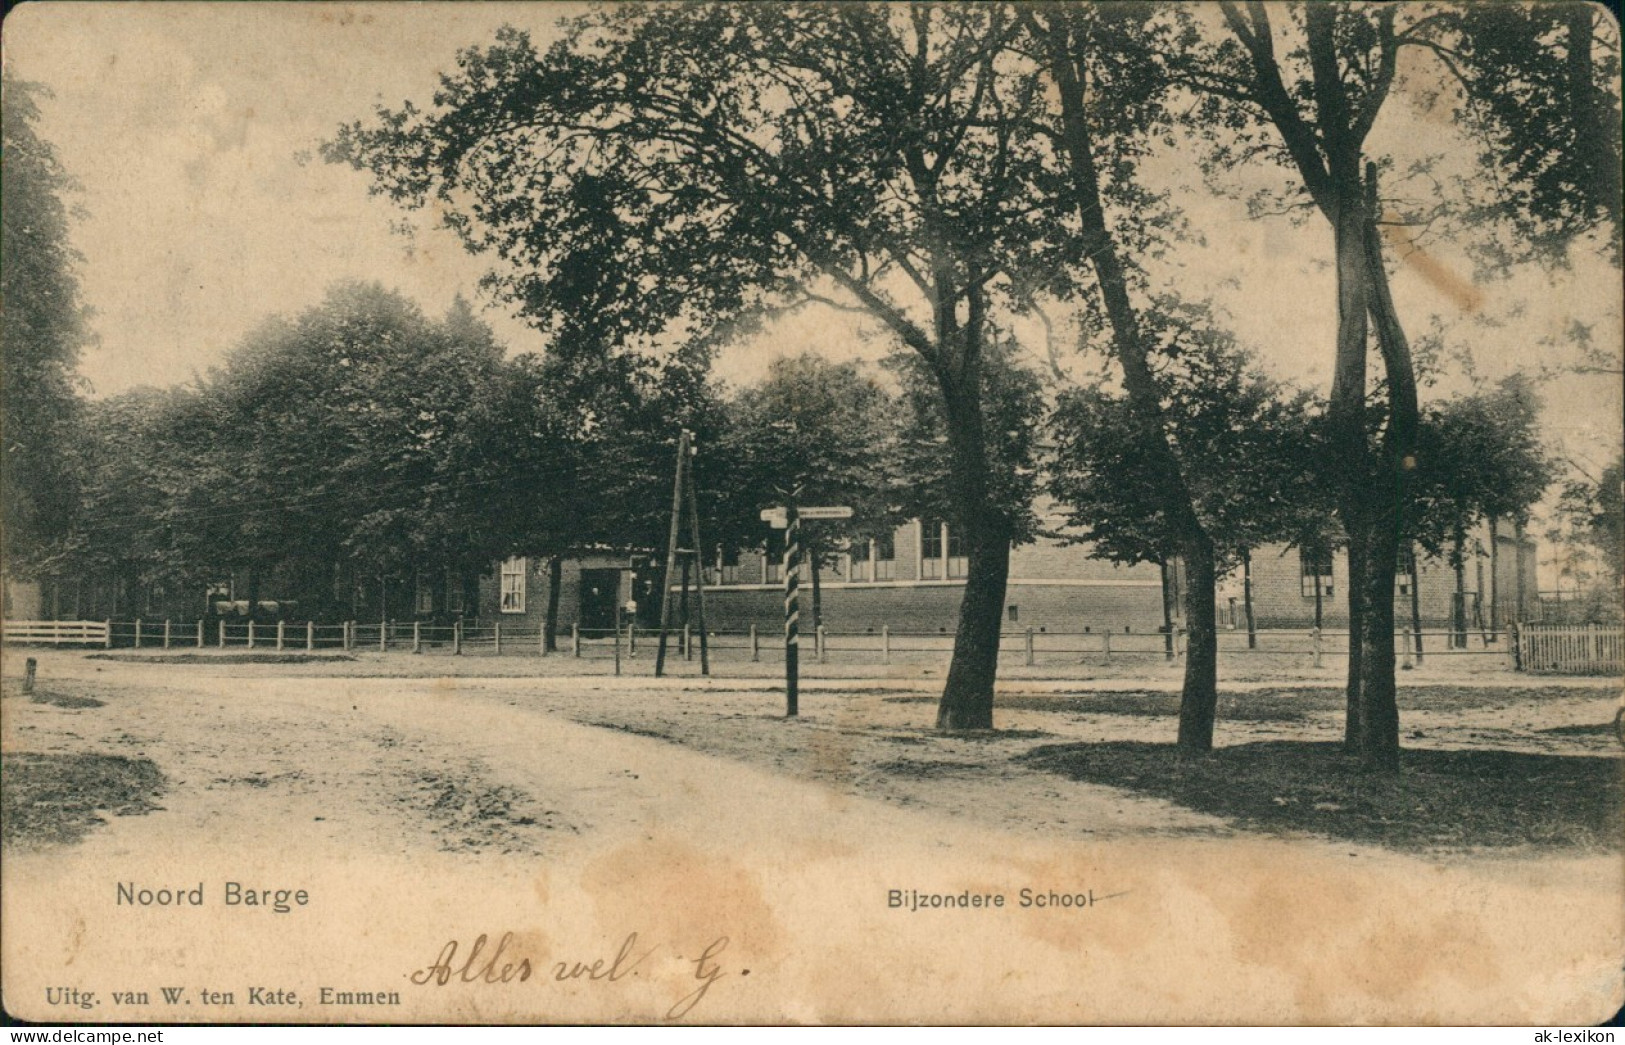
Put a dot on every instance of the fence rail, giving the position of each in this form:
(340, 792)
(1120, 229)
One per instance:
(1590, 649)
(57, 632)
(1593, 649)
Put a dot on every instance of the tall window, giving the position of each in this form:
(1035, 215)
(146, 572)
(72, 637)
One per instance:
(423, 601)
(1312, 563)
(930, 549)
(958, 564)
(1404, 567)
(454, 593)
(885, 562)
(513, 585)
(857, 561)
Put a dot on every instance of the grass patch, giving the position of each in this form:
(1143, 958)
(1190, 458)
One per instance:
(57, 799)
(1269, 706)
(1441, 799)
(64, 700)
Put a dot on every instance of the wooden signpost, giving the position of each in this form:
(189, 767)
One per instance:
(788, 518)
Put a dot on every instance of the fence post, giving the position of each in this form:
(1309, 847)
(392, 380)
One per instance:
(541, 639)
(496, 635)
(28, 675)
(310, 635)
(457, 638)
(1029, 645)
(1591, 643)
(618, 639)
(631, 638)
(1516, 635)
(166, 633)
(281, 634)
(383, 636)
(222, 633)
(1106, 644)
(417, 636)
(200, 633)
(251, 633)
(885, 644)
(1314, 638)
(138, 633)
(818, 639)
(575, 638)
(107, 643)
(688, 651)
(349, 635)
(755, 646)
(1404, 644)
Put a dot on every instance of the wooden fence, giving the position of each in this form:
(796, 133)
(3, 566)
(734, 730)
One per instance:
(57, 632)
(1572, 649)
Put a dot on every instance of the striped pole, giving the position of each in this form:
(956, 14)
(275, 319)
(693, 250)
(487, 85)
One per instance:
(792, 608)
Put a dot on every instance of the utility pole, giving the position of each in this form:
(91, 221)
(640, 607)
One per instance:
(671, 551)
(683, 495)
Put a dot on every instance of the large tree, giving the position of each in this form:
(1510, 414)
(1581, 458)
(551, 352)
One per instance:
(1315, 79)
(671, 167)
(1247, 441)
(831, 431)
(44, 327)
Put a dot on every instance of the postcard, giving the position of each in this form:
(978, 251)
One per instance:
(803, 513)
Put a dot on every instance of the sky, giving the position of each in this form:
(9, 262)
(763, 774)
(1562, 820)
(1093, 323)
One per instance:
(191, 129)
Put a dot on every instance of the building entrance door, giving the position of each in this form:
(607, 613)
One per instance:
(600, 589)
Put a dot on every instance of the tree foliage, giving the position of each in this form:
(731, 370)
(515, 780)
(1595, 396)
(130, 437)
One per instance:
(45, 326)
(1248, 444)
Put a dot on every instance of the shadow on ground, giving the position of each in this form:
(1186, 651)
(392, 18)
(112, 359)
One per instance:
(55, 799)
(1441, 799)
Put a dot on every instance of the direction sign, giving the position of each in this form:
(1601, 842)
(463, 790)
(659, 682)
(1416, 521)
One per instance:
(841, 512)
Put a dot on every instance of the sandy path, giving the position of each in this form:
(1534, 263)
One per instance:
(420, 811)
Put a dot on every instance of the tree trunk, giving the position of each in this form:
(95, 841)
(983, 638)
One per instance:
(815, 557)
(550, 625)
(1379, 706)
(1199, 696)
(967, 698)
(1520, 609)
(967, 695)
(1458, 608)
(1247, 597)
(1319, 600)
(253, 590)
(1414, 570)
(1356, 606)
(1495, 576)
(1167, 611)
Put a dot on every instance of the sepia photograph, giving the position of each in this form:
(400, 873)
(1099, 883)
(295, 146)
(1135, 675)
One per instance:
(810, 513)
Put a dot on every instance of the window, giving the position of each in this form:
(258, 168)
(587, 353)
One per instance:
(1404, 563)
(1312, 563)
(513, 585)
(857, 561)
(930, 549)
(773, 562)
(454, 594)
(885, 557)
(423, 600)
(958, 564)
(942, 551)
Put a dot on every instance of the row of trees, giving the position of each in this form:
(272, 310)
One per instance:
(943, 168)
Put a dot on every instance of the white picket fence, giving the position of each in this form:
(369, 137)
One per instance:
(1572, 649)
(57, 632)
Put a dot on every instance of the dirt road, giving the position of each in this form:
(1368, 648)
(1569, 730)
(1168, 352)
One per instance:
(573, 813)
